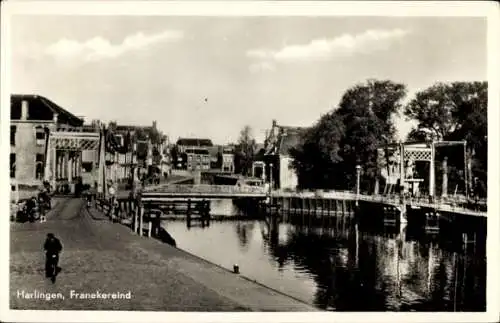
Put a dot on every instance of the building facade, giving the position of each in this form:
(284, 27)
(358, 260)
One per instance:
(193, 154)
(32, 116)
(227, 160)
(139, 147)
(277, 159)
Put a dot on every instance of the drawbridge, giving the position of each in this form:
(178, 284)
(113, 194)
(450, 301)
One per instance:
(63, 156)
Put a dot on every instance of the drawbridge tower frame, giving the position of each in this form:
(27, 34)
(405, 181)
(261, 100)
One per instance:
(412, 152)
(74, 140)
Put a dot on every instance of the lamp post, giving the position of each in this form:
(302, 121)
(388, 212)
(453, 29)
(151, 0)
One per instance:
(358, 172)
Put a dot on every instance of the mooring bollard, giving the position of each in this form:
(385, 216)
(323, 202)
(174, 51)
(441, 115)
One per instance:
(236, 269)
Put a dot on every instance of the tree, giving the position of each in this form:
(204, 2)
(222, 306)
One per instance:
(348, 136)
(315, 159)
(367, 111)
(155, 136)
(454, 111)
(245, 151)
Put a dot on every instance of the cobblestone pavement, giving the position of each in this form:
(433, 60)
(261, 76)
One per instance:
(108, 257)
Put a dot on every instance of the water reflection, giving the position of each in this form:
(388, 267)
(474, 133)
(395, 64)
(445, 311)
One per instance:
(244, 231)
(345, 268)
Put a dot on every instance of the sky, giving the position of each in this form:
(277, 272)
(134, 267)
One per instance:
(210, 76)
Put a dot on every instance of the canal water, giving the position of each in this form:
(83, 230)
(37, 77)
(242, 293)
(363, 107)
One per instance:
(343, 265)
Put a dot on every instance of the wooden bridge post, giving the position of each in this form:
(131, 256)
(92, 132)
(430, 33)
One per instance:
(308, 206)
(150, 224)
(188, 212)
(344, 210)
(136, 214)
(141, 220)
(207, 209)
(444, 184)
(323, 212)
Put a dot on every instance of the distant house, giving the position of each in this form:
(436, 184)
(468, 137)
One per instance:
(135, 148)
(30, 118)
(193, 154)
(227, 154)
(277, 147)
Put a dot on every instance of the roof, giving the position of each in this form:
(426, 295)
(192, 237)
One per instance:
(37, 105)
(258, 147)
(132, 128)
(199, 142)
(281, 141)
(288, 141)
(213, 151)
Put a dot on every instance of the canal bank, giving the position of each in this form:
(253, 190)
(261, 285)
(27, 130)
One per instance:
(249, 294)
(105, 256)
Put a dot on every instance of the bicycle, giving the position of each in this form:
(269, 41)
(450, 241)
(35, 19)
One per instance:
(52, 267)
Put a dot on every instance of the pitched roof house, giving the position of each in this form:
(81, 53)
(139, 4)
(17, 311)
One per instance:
(277, 146)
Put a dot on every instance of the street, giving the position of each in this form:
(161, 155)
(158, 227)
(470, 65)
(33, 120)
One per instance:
(99, 256)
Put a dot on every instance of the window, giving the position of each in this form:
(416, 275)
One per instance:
(13, 130)
(119, 140)
(39, 171)
(12, 165)
(40, 135)
(87, 166)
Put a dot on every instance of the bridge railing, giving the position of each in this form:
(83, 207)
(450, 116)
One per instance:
(207, 189)
(452, 202)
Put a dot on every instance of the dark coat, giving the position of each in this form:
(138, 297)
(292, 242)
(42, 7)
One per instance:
(52, 245)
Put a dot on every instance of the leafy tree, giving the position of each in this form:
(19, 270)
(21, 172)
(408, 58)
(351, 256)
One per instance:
(374, 99)
(454, 111)
(315, 159)
(155, 136)
(367, 111)
(245, 151)
(348, 136)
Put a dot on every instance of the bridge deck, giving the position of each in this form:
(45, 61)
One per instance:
(165, 192)
(438, 205)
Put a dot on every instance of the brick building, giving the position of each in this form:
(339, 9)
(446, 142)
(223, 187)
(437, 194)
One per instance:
(30, 118)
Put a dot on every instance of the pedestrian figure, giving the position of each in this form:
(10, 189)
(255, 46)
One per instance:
(44, 204)
(52, 248)
(32, 209)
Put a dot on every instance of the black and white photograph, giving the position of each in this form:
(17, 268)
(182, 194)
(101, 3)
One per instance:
(288, 157)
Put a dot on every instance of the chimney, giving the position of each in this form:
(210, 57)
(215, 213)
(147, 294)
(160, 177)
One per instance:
(274, 123)
(24, 110)
(154, 124)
